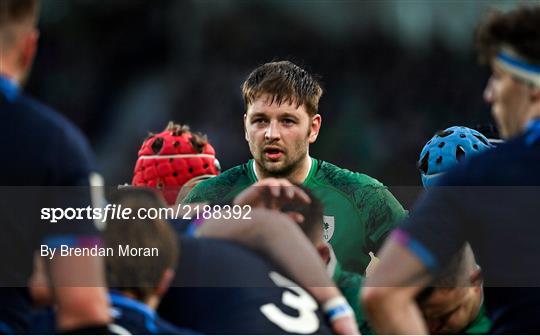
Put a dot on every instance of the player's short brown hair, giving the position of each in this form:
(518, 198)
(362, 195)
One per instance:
(12, 11)
(284, 81)
(518, 29)
(139, 275)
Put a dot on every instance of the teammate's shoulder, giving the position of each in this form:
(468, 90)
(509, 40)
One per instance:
(45, 122)
(49, 117)
(226, 178)
(345, 179)
(204, 260)
(217, 188)
(492, 167)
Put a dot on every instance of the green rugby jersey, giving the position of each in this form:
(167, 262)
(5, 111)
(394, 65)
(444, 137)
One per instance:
(359, 211)
(481, 324)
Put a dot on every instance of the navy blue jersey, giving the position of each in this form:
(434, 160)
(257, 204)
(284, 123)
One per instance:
(491, 201)
(40, 148)
(138, 318)
(223, 288)
(130, 316)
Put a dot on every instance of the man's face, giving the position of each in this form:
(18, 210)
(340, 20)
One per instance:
(279, 135)
(451, 310)
(509, 100)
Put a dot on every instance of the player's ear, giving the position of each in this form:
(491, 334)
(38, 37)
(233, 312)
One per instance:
(165, 282)
(535, 94)
(324, 251)
(315, 126)
(246, 136)
(29, 49)
(476, 277)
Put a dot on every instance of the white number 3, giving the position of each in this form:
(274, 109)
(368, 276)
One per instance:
(307, 321)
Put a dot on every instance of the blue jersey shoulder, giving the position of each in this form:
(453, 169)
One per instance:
(514, 162)
(47, 140)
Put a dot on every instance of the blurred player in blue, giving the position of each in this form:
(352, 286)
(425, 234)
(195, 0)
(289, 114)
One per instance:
(44, 149)
(448, 306)
(139, 282)
(490, 201)
(136, 282)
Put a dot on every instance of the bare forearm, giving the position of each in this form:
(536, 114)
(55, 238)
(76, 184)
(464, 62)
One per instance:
(397, 318)
(293, 253)
(281, 240)
(389, 293)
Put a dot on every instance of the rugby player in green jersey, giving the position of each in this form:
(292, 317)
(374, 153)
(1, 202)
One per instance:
(281, 121)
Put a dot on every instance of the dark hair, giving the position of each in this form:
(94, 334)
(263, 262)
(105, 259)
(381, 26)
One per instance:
(285, 82)
(139, 275)
(16, 10)
(518, 29)
(313, 215)
(456, 274)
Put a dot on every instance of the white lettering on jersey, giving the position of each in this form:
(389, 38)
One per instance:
(307, 321)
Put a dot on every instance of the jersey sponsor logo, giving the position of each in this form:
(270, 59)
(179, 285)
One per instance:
(329, 226)
(306, 321)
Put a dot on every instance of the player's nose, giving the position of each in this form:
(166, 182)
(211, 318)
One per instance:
(272, 131)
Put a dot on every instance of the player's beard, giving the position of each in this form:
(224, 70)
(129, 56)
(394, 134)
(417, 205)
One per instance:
(283, 169)
(291, 161)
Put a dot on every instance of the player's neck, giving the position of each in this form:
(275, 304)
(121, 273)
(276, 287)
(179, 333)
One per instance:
(4, 72)
(298, 175)
(152, 301)
(7, 70)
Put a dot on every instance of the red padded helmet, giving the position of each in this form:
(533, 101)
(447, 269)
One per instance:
(172, 158)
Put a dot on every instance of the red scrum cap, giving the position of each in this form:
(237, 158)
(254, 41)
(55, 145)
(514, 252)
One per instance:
(172, 158)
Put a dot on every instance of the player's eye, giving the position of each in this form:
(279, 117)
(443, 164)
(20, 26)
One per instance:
(259, 121)
(288, 122)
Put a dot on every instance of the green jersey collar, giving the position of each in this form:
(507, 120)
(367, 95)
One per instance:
(254, 178)
(481, 324)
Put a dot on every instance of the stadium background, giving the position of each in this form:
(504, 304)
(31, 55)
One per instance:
(394, 72)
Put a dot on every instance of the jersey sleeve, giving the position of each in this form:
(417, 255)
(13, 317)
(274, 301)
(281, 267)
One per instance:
(71, 164)
(437, 227)
(200, 193)
(384, 213)
(73, 158)
(220, 189)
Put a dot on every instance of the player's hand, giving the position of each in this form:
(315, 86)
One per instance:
(345, 326)
(341, 316)
(271, 193)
